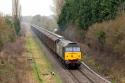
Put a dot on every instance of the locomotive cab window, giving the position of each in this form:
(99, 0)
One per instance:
(76, 49)
(72, 49)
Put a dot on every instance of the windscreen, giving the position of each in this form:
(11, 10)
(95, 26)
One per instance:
(72, 49)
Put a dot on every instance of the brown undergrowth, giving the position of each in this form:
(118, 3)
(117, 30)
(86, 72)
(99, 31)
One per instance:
(13, 63)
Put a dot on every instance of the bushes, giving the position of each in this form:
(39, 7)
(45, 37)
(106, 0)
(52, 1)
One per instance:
(84, 13)
(13, 62)
(101, 37)
(115, 39)
(7, 32)
(96, 17)
(111, 35)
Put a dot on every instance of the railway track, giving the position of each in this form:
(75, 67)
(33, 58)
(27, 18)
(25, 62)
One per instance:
(96, 78)
(83, 75)
(68, 76)
(79, 77)
(86, 75)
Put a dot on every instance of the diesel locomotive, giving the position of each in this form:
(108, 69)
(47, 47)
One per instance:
(69, 52)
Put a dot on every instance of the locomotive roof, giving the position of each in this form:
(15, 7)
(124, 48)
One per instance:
(65, 42)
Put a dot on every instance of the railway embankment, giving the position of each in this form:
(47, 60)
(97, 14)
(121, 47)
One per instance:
(13, 63)
(42, 67)
(106, 55)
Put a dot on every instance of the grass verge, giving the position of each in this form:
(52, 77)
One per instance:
(41, 66)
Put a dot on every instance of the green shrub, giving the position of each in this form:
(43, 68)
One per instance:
(84, 13)
(7, 33)
(101, 37)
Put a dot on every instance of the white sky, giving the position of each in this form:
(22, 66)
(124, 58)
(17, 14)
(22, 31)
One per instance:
(29, 7)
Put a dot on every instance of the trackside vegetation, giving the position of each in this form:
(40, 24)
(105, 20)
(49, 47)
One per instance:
(99, 27)
(84, 13)
(41, 67)
(7, 31)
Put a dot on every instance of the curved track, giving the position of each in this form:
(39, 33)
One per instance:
(96, 78)
(80, 77)
(83, 75)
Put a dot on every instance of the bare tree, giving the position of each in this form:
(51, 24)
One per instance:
(58, 4)
(16, 13)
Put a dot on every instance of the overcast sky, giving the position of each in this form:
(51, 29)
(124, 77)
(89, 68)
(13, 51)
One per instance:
(29, 7)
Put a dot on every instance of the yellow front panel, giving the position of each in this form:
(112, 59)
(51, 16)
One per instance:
(72, 55)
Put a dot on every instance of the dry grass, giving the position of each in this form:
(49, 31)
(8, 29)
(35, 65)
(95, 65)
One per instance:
(14, 64)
